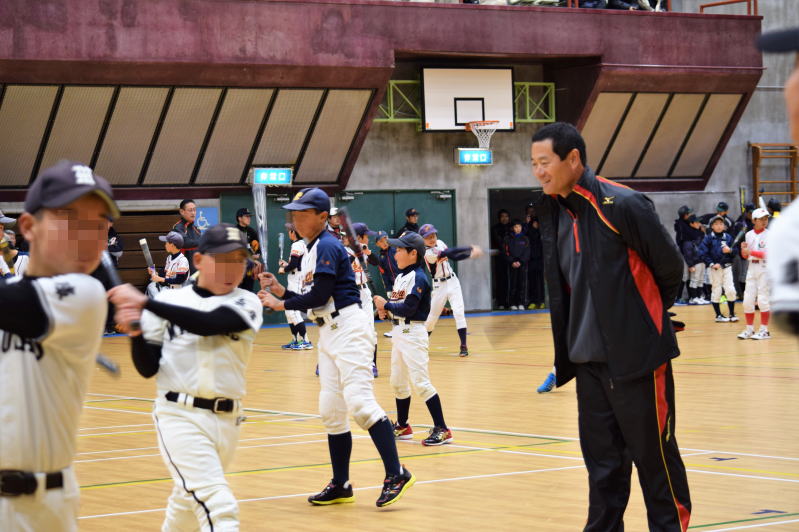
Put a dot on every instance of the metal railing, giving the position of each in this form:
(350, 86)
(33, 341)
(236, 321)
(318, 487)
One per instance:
(751, 5)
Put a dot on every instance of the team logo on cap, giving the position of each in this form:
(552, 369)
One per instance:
(298, 195)
(83, 175)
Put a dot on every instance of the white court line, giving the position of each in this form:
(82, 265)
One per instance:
(117, 427)
(276, 497)
(259, 410)
(742, 475)
(494, 432)
(113, 433)
(118, 410)
(284, 444)
(758, 525)
(241, 440)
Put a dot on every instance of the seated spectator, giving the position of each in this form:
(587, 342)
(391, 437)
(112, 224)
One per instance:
(176, 268)
(16, 261)
(516, 252)
(114, 244)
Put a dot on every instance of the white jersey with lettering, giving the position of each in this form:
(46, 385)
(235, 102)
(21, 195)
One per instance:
(294, 277)
(441, 269)
(757, 289)
(360, 275)
(204, 366)
(175, 266)
(308, 269)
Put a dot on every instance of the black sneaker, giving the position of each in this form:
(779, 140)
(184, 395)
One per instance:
(333, 494)
(464, 351)
(395, 487)
(438, 436)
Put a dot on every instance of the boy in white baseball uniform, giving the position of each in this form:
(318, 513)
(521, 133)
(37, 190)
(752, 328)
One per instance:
(198, 340)
(446, 286)
(757, 283)
(408, 308)
(362, 234)
(176, 266)
(299, 334)
(332, 299)
(48, 347)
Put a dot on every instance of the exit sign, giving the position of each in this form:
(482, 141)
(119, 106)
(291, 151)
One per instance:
(474, 156)
(272, 176)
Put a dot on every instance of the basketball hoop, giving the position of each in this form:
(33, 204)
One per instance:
(483, 131)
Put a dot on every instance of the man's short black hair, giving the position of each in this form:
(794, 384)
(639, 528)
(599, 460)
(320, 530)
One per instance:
(186, 202)
(501, 212)
(564, 137)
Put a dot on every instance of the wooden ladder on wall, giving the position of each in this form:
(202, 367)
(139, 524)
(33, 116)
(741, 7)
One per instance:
(780, 186)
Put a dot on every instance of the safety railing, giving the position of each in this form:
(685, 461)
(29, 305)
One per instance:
(751, 5)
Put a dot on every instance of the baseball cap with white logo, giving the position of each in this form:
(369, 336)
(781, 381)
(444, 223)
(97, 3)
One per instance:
(222, 238)
(64, 183)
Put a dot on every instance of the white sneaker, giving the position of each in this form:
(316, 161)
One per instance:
(762, 334)
(747, 333)
(733, 318)
(514, 307)
(387, 335)
(722, 319)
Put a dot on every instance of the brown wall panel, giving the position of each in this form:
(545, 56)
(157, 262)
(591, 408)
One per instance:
(23, 119)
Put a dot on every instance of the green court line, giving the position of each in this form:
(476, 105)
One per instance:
(744, 520)
(501, 433)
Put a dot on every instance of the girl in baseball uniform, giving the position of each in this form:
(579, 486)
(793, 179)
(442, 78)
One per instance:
(197, 340)
(408, 308)
(332, 299)
(446, 286)
(757, 283)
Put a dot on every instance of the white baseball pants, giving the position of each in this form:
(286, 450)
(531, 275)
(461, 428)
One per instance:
(52, 510)
(197, 445)
(757, 288)
(697, 277)
(722, 278)
(367, 306)
(345, 372)
(443, 291)
(410, 361)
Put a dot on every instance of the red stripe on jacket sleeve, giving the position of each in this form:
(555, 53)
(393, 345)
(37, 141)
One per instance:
(647, 288)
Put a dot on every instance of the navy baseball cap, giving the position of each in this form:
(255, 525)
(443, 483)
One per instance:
(381, 235)
(409, 239)
(718, 219)
(173, 237)
(361, 229)
(411, 212)
(222, 238)
(427, 230)
(786, 40)
(722, 206)
(243, 212)
(309, 198)
(64, 183)
(5, 220)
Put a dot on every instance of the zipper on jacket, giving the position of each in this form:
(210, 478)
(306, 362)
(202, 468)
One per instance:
(574, 229)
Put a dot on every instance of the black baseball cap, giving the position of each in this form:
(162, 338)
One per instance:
(361, 229)
(65, 182)
(781, 41)
(411, 212)
(244, 211)
(222, 238)
(309, 198)
(722, 206)
(409, 239)
(173, 237)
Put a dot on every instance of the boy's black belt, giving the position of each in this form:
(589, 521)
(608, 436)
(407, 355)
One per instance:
(450, 276)
(218, 404)
(406, 321)
(14, 483)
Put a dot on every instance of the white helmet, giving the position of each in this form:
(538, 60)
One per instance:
(759, 213)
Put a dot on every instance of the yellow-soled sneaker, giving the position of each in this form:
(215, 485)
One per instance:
(333, 494)
(395, 487)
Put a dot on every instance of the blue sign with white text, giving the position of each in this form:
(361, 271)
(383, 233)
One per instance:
(272, 176)
(475, 156)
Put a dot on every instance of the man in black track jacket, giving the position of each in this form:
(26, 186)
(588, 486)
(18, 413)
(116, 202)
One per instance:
(612, 272)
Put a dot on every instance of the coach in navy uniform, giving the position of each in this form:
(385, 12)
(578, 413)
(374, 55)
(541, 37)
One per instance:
(612, 272)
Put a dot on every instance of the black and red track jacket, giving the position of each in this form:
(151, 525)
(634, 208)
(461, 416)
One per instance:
(634, 272)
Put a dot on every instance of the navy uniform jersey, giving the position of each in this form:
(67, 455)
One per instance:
(411, 282)
(327, 255)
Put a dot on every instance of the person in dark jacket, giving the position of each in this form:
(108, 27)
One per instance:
(191, 235)
(411, 222)
(498, 233)
(694, 263)
(535, 268)
(386, 263)
(716, 253)
(612, 273)
(516, 253)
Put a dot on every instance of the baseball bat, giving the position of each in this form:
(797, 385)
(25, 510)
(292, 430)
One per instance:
(145, 249)
(259, 199)
(346, 222)
(740, 236)
(108, 365)
(280, 240)
(108, 265)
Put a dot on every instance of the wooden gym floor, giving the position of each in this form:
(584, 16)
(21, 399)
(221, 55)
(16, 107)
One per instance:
(515, 462)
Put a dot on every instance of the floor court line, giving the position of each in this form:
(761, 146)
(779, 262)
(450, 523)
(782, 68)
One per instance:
(758, 525)
(420, 482)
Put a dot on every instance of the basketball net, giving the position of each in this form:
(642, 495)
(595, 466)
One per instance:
(483, 130)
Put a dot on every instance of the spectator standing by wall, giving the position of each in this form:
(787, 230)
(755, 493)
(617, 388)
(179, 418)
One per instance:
(535, 268)
(188, 230)
(498, 233)
(516, 252)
